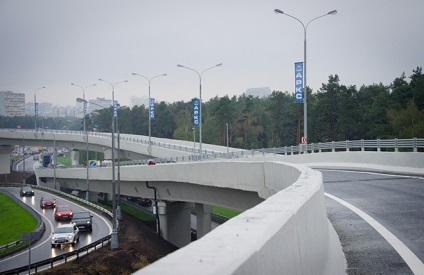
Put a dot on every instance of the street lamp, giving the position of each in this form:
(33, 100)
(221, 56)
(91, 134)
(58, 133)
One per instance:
(55, 160)
(114, 240)
(87, 195)
(194, 140)
(200, 99)
(35, 107)
(305, 102)
(150, 115)
(227, 141)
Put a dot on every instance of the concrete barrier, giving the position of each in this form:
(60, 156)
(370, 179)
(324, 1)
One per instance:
(386, 162)
(288, 233)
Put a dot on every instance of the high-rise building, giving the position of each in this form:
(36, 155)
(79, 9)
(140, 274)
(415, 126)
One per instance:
(138, 101)
(259, 92)
(93, 104)
(12, 104)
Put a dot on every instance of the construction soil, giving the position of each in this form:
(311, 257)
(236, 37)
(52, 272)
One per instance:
(139, 246)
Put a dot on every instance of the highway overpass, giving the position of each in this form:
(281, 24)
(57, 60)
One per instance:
(284, 228)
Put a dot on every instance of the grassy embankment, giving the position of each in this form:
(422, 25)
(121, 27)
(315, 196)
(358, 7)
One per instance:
(10, 226)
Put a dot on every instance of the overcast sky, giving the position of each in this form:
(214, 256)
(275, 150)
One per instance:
(52, 43)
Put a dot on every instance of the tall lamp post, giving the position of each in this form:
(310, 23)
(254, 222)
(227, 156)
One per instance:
(305, 102)
(87, 195)
(114, 241)
(200, 99)
(150, 117)
(35, 107)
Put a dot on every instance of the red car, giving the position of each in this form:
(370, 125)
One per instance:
(63, 212)
(47, 201)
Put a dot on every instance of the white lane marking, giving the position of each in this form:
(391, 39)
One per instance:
(414, 263)
(52, 229)
(372, 173)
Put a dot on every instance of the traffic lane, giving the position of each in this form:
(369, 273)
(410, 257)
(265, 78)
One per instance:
(394, 201)
(29, 164)
(17, 259)
(42, 249)
(366, 251)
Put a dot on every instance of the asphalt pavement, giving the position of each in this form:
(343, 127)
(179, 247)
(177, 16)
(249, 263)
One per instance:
(42, 250)
(395, 202)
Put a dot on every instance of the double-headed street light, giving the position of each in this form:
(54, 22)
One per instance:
(305, 102)
(36, 107)
(150, 114)
(87, 195)
(114, 241)
(200, 99)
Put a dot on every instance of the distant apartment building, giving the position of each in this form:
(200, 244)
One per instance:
(259, 92)
(45, 109)
(93, 104)
(139, 101)
(12, 104)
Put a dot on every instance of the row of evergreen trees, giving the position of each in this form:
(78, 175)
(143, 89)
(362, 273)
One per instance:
(335, 112)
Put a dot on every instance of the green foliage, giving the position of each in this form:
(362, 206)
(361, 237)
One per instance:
(65, 160)
(408, 122)
(335, 112)
(28, 122)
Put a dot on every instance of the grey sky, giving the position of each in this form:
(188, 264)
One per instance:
(53, 43)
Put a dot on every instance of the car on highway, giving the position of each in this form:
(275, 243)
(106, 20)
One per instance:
(145, 202)
(65, 234)
(83, 220)
(47, 201)
(26, 191)
(63, 212)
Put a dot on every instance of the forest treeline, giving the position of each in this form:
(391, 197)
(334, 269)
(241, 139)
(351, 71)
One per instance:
(335, 112)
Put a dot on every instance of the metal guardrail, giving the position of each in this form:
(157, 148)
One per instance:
(64, 258)
(413, 144)
(61, 259)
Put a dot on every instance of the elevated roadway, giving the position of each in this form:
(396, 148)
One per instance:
(285, 202)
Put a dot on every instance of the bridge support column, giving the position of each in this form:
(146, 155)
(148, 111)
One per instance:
(5, 151)
(175, 222)
(203, 213)
(75, 157)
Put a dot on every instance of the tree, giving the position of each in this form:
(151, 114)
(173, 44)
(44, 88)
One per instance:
(327, 104)
(407, 123)
(417, 87)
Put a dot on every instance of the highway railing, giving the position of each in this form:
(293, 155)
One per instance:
(61, 259)
(394, 145)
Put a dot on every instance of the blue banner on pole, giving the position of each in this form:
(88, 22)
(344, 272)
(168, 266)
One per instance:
(85, 108)
(196, 112)
(152, 108)
(115, 109)
(298, 79)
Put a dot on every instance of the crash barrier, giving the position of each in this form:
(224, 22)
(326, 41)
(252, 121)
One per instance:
(412, 144)
(61, 259)
(64, 258)
(38, 231)
(288, 233)
(386, 146)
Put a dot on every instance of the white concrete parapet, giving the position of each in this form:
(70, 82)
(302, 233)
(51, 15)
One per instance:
(288, 233)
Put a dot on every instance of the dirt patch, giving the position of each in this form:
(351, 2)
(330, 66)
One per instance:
(139, 246)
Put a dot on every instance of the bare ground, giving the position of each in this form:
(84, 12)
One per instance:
(139, 245)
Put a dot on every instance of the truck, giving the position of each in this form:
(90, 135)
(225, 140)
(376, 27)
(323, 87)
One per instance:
(83, 220)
